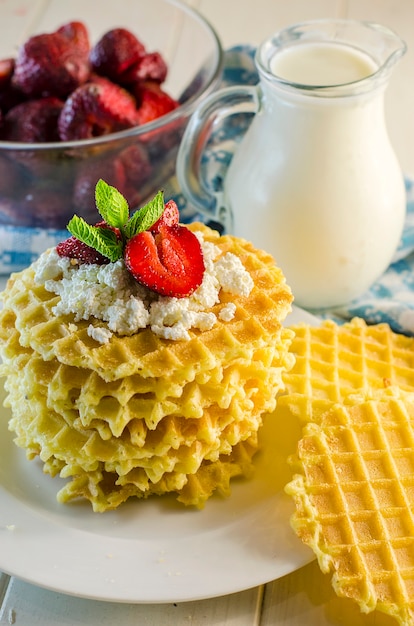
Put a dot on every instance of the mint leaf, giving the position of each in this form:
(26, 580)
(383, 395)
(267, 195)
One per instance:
(108, 244)
(145, 217)
(111, 204)
(101, 239)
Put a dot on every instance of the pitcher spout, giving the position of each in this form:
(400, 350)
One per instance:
(387, 49)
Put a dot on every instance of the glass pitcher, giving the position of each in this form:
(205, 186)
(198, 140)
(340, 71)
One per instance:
(315, 180)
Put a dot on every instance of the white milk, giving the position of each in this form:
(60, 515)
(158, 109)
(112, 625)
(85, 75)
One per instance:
(315, 180)
(320, 63)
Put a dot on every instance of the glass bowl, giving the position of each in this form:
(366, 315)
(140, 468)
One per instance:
(43, 184)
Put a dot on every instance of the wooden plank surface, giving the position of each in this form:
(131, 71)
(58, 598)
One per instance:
(31, 606)
(304, 597)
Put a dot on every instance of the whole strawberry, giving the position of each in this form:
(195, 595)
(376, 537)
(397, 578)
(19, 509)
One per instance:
(75, 249)
(152, 102)
(9, 95)
(33, 121)
(151, 66)
(112, 170)
(95, 109)
(6, 72)
(115, 53)
(50, 65)
(10, 176)
(77, 35)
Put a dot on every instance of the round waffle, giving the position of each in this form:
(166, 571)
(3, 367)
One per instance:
(140, 414)
(354, 495)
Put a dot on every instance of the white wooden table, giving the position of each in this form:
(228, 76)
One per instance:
(305, 596)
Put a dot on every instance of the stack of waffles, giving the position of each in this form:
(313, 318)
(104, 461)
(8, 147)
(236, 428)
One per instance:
(142, 415)
(352, 387)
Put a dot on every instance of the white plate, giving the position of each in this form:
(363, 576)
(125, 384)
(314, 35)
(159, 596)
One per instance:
(149, 551)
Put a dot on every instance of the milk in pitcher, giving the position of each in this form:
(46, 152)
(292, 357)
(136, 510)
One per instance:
(314, 180)
(328, 199)
(322, 64)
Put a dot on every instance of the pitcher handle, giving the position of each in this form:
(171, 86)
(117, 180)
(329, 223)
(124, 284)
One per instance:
(205, 119)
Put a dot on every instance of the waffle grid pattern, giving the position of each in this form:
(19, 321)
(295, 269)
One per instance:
(333, 361)
(354, 496)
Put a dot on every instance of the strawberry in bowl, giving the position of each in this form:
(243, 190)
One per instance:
(77, 104)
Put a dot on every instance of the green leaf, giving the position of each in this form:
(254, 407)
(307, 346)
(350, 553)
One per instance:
(145, 217)
(109, 244)
(111, 204)
(101, 239)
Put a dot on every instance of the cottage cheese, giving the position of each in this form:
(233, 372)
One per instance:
(110, 294)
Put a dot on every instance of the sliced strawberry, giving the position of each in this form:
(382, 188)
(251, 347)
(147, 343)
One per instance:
(169, 262)
(170, 217)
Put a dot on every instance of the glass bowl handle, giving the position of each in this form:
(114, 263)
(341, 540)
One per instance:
(204, 120)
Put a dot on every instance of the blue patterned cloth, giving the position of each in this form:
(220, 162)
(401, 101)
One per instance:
(390, 299)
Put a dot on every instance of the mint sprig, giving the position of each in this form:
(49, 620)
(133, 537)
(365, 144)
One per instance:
(101, 239)
(114, 210)
(147, 216)
(111, 204)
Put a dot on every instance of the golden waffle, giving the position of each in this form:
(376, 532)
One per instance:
(333, 361)
(354, 497)
(256, 324)
(144, 415)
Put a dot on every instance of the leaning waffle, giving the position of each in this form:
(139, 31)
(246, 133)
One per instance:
(333, 361)
(354, 497)
(140, 414)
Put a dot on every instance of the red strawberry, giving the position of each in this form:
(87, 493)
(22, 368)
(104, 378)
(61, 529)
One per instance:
(96, 109)
(115, 53)
(170, 217)
(91, 170)
(48, 208)
(33, 121)
(10, 175)
(75, 249)
(77, 34)
(170, 262)
(149, 67)
(9, 95)
(6, 72)
(152, 102)
(137, 166)
(50, 65)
